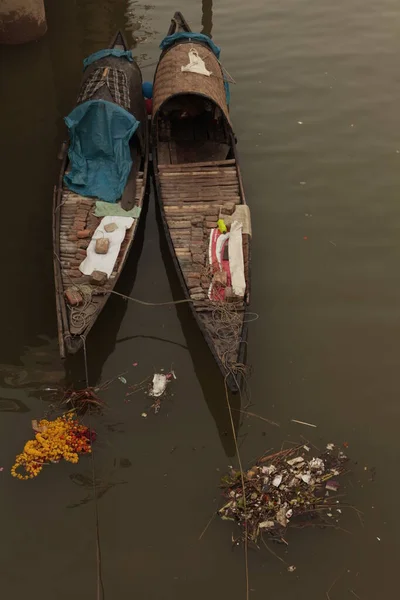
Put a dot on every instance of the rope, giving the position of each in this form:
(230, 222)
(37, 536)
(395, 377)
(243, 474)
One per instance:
(78, 318)
(100, 585)
(246, 549)
(214, 306)
(78, 315)
(100, 291)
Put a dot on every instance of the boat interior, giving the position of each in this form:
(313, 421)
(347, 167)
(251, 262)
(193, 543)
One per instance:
(191, 128)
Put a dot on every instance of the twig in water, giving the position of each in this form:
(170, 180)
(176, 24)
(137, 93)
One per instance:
(354, 594)
(137, 387)
(207, 526)
(303, 423)
(244, 438)
(281, 453)
(272, 552)
(251, 414)
(246, 542)
(359, 513)
(289, 443)
(334, 582)
(308, 443)
(257, 458)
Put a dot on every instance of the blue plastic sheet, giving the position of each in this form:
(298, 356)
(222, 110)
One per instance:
(227, 91)
(107, 52)
(99, 151)
(196, 37)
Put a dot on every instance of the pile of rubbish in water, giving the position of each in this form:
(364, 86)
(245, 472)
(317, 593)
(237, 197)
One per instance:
(283, 487)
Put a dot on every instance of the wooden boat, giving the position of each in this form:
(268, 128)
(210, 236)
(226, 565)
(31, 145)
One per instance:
(198, 182)
(80, 298)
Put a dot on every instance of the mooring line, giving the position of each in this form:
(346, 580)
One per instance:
(100, 584)
(246, 549)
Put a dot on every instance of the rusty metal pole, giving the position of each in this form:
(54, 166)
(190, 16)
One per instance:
(21, 21)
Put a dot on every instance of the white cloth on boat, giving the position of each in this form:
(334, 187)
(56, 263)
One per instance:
(106, 262)
(219, 247)
(196, 64)
(215, 253)
(236, 262)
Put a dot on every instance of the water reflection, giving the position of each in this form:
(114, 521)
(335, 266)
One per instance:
(13, 405)
(28, 131)
(100, 21)
(87, 482)
(206, 17)
(102, 338)
(65, 32)
(205, 367)
(40, 366)
(138, 22)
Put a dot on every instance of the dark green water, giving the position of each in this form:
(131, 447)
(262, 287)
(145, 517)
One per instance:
(326, 348)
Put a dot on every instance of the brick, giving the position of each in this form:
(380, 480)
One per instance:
(98, 278)
(84, 233)
(102, 245)
(228, 208)
(198, 258)
(193, 283)
(73, 296)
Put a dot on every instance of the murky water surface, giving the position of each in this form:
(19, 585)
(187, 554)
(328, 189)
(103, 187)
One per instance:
(315, 109)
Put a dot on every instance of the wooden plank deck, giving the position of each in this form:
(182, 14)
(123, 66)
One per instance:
(194, 195)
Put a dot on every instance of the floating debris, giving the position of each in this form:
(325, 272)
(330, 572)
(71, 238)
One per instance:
(281, 487)
(81, 400)
(303, 423)
(63, 438)
(122, 379)
(159, 385)
(332, 486)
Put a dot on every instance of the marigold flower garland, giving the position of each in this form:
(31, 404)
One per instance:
(62, 438)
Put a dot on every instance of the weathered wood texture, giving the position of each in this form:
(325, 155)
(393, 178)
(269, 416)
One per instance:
(193, 196)
(77, 226)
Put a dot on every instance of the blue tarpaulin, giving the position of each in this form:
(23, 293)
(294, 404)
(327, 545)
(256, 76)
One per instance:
(227, 91)
(99, 151)
(107, 52)
(196, 37)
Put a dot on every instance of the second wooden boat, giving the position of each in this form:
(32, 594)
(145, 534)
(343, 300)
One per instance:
(106, 158)
(200, 191)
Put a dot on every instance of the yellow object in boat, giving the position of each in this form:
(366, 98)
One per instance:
(222, 226)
